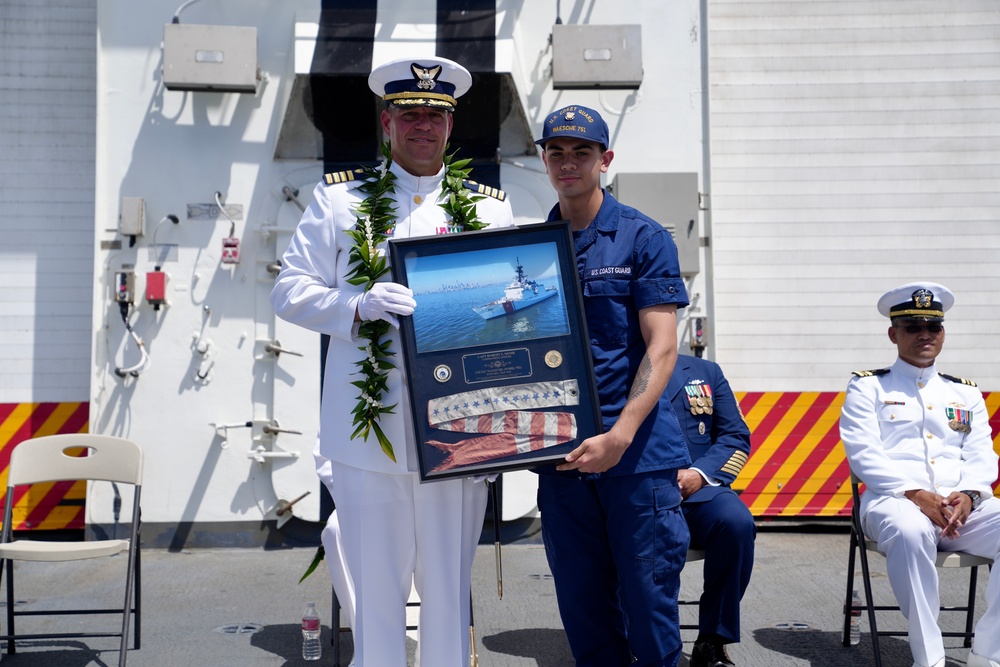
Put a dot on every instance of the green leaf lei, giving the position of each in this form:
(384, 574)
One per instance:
(376, 218)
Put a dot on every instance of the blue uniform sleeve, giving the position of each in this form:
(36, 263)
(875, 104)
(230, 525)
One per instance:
(658, 276)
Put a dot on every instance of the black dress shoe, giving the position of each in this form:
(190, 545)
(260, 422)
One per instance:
(710, 654)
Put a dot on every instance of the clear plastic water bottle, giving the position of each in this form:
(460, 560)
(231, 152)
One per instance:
(855, 618)
(312, 648)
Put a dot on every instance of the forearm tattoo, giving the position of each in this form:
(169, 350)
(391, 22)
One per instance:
(641, 382)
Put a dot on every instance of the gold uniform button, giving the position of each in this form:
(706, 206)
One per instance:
(930, 436)
(920, 384)
(930, 407)
(417, 199)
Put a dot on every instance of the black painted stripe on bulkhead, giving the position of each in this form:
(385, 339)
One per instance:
(347, 113)
(466, 33)
(343, 108)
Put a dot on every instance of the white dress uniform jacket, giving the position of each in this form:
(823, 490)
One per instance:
(311, 291)
(911, 428)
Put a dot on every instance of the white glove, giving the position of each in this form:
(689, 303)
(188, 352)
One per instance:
(386, 300)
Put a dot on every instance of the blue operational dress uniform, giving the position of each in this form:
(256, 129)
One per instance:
(616, 541)
(721, 525)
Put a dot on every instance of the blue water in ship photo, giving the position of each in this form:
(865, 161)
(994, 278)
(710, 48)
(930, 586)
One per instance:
(482, 297)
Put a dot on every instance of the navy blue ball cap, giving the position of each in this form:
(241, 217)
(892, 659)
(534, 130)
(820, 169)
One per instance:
(577, 122)
(420, 82)
(920, 301)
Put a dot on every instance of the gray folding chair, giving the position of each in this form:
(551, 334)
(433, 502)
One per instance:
(693, 555)
(861, 545)
(52, 459)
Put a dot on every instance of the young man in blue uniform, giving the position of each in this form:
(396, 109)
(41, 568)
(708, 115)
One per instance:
(614, 534)
(921, 442)
(721, 525)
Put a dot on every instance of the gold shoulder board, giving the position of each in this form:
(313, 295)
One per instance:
(342, 176)
(959, 380)
(867, 374)
(481, 189)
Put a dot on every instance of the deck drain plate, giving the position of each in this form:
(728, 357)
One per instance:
(792, 625)
(239, 629)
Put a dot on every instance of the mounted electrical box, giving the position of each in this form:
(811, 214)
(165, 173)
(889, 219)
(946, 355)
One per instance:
(215, 58)
(230, 250)
(156, 288)
(124, 286)
(671, 200)
(132, 216)
(596, 56)
(698, 334)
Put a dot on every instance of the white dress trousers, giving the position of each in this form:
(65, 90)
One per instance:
(397, 530)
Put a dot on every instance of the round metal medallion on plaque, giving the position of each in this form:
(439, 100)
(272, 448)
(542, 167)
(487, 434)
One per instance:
(553, 359)
(442, 373)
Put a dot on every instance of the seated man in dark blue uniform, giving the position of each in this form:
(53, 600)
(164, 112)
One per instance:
(721, 525)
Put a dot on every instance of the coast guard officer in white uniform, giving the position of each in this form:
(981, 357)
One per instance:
(394, 528)
(920, 441)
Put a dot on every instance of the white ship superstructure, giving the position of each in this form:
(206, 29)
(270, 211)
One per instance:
(156, 157)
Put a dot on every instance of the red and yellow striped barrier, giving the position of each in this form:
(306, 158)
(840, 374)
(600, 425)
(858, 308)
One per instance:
(51, 506)
(797, 466)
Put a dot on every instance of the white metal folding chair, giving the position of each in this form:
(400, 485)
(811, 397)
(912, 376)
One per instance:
(55, 458)
(945, 559)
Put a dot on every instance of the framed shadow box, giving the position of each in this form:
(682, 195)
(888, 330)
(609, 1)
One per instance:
(496, 354)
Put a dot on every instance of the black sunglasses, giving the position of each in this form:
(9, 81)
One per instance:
(914, 329)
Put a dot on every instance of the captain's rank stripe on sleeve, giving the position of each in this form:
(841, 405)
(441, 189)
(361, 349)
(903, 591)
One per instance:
(735, 463)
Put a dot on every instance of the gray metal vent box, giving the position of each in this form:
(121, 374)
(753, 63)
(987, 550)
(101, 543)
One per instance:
(216, 58)
(671, 200)
(596, 56)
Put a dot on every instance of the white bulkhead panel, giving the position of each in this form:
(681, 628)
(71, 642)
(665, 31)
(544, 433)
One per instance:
(854, 149)
(46, 200)
(296, 391)
(224, 445)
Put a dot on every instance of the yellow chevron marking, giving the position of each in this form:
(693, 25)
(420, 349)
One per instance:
(817, 478)
(827, 421)
(760, 464)
(992, 406)
(58, 516)
(54, 424)
(14, 422)
(756, 415)
(772, 444)
(841, 499)
(792, 418)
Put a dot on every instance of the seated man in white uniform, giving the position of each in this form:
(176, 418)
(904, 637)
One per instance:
(920, 441)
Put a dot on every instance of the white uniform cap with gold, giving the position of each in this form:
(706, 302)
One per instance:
(923, 301)
(420, 82)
